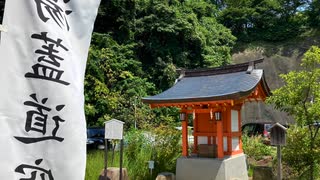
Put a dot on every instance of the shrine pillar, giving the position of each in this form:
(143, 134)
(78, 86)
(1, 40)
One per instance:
(184, 125)
(219, 130)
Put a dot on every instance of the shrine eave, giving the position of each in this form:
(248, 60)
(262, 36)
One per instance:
(210, 87)
(195, 100)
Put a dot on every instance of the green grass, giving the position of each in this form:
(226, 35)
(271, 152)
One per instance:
(250, 171)
(95, 163)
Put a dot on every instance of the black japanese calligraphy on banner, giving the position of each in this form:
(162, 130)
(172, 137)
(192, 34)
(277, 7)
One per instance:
(47, 68)
(42, 117)
(37, 120)
(54, 11)
(34, 172)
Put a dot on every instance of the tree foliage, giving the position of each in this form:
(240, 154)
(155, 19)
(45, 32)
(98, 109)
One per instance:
(171, 35)
(301, 93)
(140, 44)
(114, 85)
(313, 14)
(298, 155)
(168, 34)
(112, 81)
(274, 20)
(300, 97)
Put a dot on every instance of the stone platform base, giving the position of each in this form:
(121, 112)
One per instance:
(193, 168)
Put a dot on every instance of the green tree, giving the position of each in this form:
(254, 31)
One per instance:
(300, 97)
(138, 48)
(313, 14)
(117, 19)
(298, 155)
(112, 81)
(172, 34)
(264, 19)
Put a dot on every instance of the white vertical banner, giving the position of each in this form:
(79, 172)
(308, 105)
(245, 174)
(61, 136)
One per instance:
(43, 55)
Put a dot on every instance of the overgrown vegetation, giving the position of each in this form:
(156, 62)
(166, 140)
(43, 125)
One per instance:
(254, 147)
(258, 152)
(95, 164)
(161, 145)
(297, 154)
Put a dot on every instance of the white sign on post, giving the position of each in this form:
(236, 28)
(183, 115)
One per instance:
(113, 129)
(151, 164)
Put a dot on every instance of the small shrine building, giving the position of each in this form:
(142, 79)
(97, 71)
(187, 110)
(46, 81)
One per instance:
(213, 99)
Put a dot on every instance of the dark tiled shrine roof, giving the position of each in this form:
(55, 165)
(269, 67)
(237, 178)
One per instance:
(229, 82)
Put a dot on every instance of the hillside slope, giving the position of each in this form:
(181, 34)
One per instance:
(279, 58)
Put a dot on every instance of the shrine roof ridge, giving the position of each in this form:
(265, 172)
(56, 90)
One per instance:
(219, 70)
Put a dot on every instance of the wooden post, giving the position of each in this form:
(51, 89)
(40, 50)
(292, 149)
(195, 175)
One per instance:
(278, 138)
(220, 153)
(184, 124)
(105, 158)
(121, 158)
(114, 130)
(279, 162)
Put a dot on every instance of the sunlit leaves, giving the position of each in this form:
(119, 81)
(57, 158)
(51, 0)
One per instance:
(301, 93)
(300, 98)
(112, 77)
(184, 34)
(297, 153)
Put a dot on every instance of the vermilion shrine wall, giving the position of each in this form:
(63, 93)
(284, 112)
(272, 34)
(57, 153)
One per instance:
(205, 130)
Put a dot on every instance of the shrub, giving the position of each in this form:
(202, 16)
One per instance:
(137, 153)
(254, 147)
(160, 145)
(95, 164)
(298, 155)
(167, 149)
